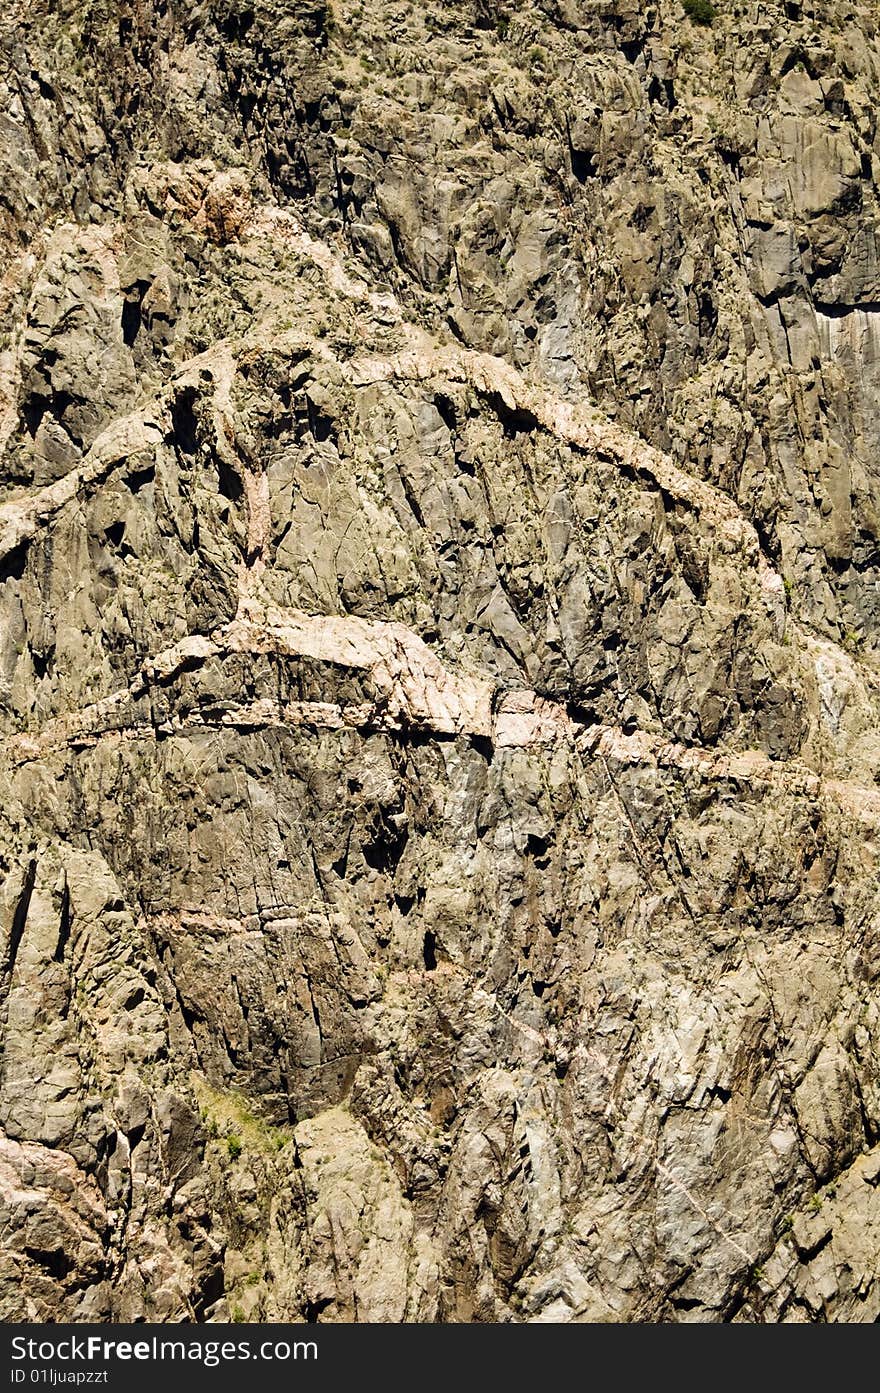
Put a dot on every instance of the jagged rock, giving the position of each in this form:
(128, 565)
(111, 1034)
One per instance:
(438, 663)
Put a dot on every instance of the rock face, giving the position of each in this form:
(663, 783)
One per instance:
(440, 661)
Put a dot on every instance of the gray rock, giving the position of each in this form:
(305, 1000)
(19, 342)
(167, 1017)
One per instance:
(438, 665)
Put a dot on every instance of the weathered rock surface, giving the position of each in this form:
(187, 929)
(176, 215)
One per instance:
(439, 676)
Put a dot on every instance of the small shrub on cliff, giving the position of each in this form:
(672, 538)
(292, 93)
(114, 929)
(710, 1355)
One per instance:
(233, 1146)
(699, 11)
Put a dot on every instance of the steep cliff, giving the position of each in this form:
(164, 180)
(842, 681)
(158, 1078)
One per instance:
(440, 660)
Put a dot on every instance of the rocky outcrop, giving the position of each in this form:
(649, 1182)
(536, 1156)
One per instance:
(438, 663)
